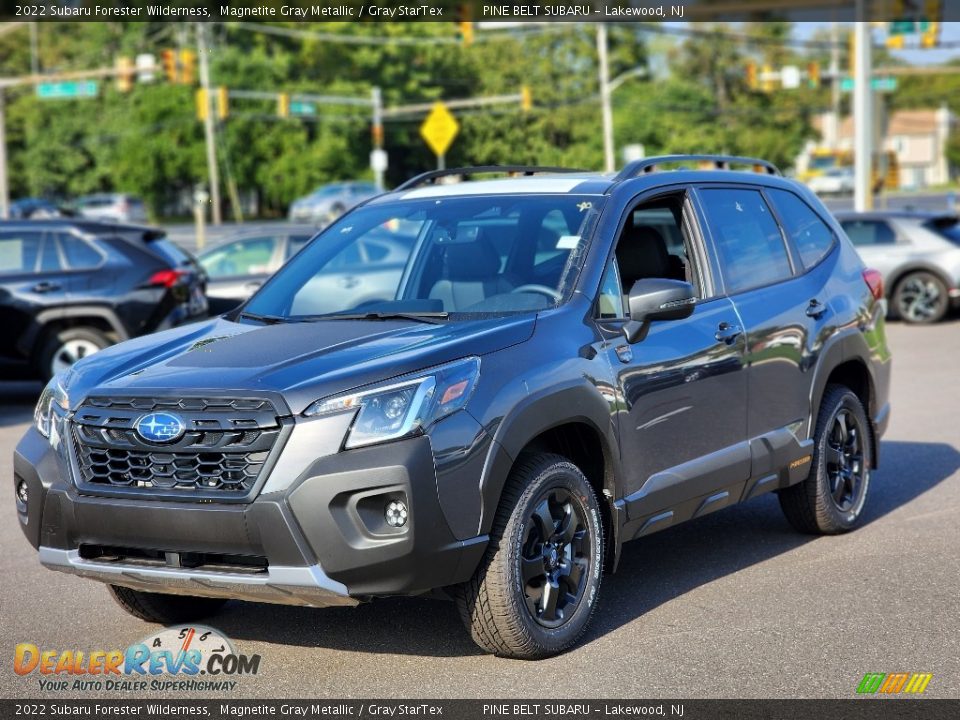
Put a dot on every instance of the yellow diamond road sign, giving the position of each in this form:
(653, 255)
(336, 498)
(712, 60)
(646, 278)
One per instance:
(439, 129)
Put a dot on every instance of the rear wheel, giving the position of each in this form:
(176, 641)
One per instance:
(831, 499)
(536, 588)
(165, 609)
(921, 297)
(65, 347)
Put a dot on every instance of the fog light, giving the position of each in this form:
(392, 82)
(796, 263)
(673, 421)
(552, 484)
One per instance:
(22, 493)
(396, 514)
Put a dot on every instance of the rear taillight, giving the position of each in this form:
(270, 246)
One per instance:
(874, 281)
(166, 278)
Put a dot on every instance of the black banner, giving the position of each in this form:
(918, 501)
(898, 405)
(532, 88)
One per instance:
(853, 709)
(620, 11)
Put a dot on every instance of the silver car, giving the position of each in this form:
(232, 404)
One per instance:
(918, 255)
(329, 202)
(114, 207)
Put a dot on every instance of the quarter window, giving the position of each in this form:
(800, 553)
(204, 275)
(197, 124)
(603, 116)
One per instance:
(869, 232)
(78, 254)
(809, 234)
(748, 239)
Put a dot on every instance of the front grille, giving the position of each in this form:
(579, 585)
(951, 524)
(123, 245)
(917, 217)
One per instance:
(221, 453)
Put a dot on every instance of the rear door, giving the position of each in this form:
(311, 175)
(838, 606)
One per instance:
(33, 288)
(783, 309)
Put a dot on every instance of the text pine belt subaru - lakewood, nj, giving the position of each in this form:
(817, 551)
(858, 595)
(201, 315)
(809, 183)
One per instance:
(562, 362)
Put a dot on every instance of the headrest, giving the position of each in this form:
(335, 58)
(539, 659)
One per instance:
(643, 254)
(474, 260)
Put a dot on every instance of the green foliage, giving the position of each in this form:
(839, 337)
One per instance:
(149, 141)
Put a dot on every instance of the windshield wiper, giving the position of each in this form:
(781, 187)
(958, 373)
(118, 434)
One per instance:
(265, 319)
(433, 318)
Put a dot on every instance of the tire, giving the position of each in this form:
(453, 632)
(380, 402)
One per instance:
(831, 499)
(62, 345)
(165, 609)
(920, 298)
(512, 617)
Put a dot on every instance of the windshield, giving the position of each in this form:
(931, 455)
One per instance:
(466, 256)
(822, 162)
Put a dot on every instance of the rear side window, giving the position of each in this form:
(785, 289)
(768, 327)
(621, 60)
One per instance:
(869, 232)
(19, 252)
(77, 253)
(748, 239)
(809, 234)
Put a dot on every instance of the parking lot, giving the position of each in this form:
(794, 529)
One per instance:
(733, 605)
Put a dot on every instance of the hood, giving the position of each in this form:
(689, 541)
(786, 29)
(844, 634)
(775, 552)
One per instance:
(296, 362)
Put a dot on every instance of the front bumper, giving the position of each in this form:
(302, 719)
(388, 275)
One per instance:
(315, 535)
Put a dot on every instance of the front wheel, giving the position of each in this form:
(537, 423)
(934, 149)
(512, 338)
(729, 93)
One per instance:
(831, 499)
(536, 588)
(65, 347)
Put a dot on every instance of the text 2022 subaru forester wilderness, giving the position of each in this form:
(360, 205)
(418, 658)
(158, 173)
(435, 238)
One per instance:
(564, 362)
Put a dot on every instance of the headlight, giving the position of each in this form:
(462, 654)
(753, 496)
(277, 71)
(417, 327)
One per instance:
(404, 407)
(53, 394)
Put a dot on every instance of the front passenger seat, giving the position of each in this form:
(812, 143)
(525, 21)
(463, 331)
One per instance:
(470, 274)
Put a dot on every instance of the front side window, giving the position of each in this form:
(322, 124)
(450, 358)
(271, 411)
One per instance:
(748, 240)
(467, 256)
(252, 256)
(809, 234)
(869, 232)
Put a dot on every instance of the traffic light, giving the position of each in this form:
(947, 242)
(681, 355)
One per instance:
(813, 75)
(283, 105)
(894, 42)
(223, 103)
(464, 17)
(125, 74)
(766, 79)
(752, 81)
(168, 58)
(188, 67)
(526, 99)
(203, 107)
(930, 37)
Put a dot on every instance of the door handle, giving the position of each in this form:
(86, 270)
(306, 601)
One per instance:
(43, 287)
(728, 333)
(816, 309)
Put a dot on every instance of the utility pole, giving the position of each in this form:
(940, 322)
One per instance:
(376, 100)
(34, 53)
(607, 112)
(208, 128)
(4, 190)
(835, 84)
(862, 113)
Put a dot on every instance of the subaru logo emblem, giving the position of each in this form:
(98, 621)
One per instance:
(160, 427)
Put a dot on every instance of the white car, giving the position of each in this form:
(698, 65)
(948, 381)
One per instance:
(112, 207)
(328, 202)
(834, 181)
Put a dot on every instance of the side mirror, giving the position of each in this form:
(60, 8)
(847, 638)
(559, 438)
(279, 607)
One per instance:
(657, 299)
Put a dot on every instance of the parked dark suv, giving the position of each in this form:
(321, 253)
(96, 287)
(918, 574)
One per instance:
(568, 361)
(71, 288)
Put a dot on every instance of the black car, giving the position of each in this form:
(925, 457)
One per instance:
(566, 362)
(70, 288)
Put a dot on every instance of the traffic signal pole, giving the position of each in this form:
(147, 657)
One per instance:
(4, 188)
(208, 128)
(605, 109)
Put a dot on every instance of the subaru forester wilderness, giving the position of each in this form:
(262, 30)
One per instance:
(562, 362)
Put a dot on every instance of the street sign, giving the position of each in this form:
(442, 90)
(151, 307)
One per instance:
(790, 77)
(145, 64)
(378, 160)
(71, 89)
(299, 107)
(887, 83)
(439, 129)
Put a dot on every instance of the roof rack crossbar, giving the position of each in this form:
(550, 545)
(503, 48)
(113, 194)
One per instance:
(431, 177)
(720, 162)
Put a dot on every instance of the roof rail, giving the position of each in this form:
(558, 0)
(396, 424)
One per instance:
(431, 177)
(720, 162)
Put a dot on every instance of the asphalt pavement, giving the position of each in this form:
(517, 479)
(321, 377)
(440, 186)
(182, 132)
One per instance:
(735, 604)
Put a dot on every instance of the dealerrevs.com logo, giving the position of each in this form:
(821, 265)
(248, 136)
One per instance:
(178, 658)
(894, 683)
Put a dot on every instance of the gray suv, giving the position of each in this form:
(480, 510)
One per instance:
(565, 361)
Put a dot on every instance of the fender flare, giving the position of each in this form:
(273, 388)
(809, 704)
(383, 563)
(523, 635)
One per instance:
(30, 338)
(576, 402)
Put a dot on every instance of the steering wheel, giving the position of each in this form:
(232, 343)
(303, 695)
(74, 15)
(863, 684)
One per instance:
(542, 289)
